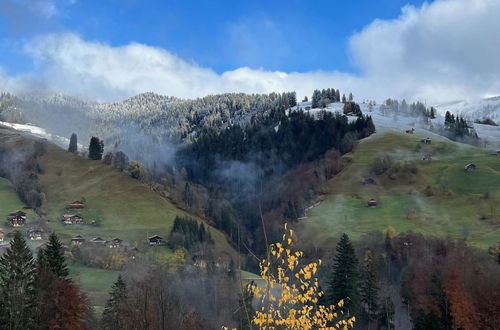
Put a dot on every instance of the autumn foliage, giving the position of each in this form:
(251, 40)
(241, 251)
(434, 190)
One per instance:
(291, 294)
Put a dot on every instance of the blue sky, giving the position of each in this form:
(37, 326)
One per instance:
(107, 50)
(290, 36)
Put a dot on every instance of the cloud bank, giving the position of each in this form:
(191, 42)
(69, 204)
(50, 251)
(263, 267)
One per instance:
(442, 51)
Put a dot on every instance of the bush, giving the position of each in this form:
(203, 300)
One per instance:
(381, 165)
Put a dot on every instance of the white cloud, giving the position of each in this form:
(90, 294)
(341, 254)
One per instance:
(442, 51)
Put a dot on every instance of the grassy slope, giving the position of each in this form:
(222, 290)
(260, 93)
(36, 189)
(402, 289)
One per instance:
(124, 208)
(454, 210)
(9, 202)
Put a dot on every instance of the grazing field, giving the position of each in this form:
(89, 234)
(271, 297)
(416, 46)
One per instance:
(120, 206)
(440, 198)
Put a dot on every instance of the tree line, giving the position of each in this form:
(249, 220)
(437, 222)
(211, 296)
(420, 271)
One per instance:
(37, 292)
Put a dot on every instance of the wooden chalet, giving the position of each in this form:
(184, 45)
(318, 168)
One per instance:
(2, 235)
(427, 140)
(372, 202)
(13, 233)
(72, 219)
(410, 131)
(98, 240)
(77, 240)
(17, 219)
(155, 240)
(35, 234)
(114, 243)
(76, 205)
(470, 167)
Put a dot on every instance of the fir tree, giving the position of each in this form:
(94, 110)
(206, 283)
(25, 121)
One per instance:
(369, 288)
(315, 98)
(351, 97)
(55, 257)
(96, 148)
(73, 145)
(344, 280)
(45, 288)
(343, 98)
(290, 212)
(116, 311)
(433, 113)
(17, 278)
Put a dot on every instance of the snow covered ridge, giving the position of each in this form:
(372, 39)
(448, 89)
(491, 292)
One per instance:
(473, 110)
(159, 115)
(388, 121)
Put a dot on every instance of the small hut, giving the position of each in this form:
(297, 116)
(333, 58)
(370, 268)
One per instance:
(427, 140)
(72, 219)
(155, 240)
(35, 234)
(16, 219)
(13, 233)
(98, 240)
(410, 131)
(372, 202)
(2, 235)
(78, 240)
(470, 167)
(114, 243)
(76, 205)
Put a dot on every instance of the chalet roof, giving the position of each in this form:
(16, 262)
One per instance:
(18, 213)
(32, 231)
(155, 237)
(12, 233)
(97, 240)
(77, 202)
(470, 165)
(117, 240)
(77, 237)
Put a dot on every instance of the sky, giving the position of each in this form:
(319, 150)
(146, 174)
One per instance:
(107, 50)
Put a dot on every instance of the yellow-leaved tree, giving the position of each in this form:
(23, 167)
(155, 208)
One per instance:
(289, 298)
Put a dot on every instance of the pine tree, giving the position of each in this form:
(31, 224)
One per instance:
(116, 311)
(315, 98)
(55, 257)
(96, 148)
(369, 288)
(17, 278)
(343, 98)
(344, 280)
(351, 97)
(433, 113)
(73, 145)
(45, 288)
